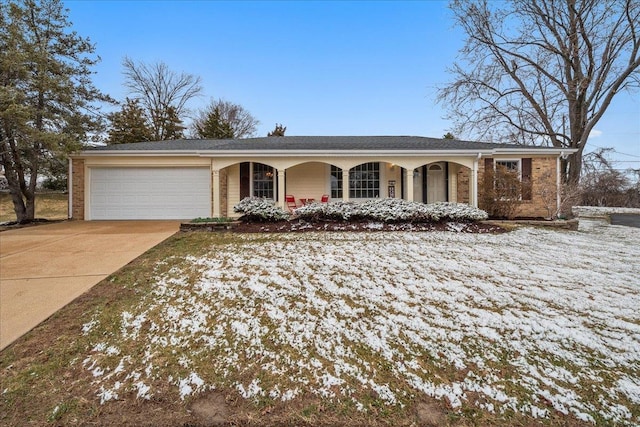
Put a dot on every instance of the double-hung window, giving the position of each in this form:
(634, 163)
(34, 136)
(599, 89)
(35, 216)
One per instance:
(509, 165)
(517, 168)
(507, 178)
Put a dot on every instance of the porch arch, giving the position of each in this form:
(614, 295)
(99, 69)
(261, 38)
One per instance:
(450, 181)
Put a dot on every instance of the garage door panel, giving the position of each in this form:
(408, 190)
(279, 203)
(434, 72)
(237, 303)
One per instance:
(150, 193)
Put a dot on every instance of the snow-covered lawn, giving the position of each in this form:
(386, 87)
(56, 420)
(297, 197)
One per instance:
(533, 321)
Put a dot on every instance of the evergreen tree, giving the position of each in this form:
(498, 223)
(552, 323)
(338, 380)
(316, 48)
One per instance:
(172, 124)
(130, 124)
(48, 105)
(214, 126)
(278, 131)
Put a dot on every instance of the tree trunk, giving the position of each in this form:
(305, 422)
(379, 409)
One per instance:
(22, 195)
(30, 198)
(574, 163)
(18, 206)
(23, 201)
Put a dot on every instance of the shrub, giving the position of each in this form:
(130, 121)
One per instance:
(501, 193)
(456, 212)
(340, 210)
(609, 187)
(55, 184)
(390, 210)
(260, 210)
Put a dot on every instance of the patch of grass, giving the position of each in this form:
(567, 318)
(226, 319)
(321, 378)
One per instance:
(180, 285)
(48, 206)
(60, 409)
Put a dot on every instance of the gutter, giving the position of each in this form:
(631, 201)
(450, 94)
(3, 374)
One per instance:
(562, 156)
(315, 153)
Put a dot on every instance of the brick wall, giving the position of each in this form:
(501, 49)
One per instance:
(224, 189)
(77, 185)
(463, 185)
(543, 190)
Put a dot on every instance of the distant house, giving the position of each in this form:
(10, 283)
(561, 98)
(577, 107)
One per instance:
(186, 179)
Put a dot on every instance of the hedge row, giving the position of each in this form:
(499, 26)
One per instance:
(384, 210)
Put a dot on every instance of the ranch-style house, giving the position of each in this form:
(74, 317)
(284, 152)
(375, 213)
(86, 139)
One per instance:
(185, 179)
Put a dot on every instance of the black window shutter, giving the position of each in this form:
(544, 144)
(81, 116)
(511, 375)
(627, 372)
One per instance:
(526, 179)
(488, 164)
(488, 179)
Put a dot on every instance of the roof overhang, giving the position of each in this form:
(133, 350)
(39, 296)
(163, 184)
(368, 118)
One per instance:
(327, 153)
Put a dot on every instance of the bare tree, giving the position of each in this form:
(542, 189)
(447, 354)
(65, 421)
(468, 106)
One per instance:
(604, 185)
(163, 93)
(542, 72)
(241, 123)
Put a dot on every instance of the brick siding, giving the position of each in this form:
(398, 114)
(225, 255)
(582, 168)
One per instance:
(224, 189)
(463, 184)
(77, 185)
(543, 190)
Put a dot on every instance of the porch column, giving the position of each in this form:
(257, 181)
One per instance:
(408, 176)
(215, 176)
(473, 197)
(345, 184)
(281, 187)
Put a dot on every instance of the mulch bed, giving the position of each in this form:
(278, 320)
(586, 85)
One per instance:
(304, 226)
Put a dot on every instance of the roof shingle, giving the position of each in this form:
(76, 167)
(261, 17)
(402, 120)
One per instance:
(337, 143)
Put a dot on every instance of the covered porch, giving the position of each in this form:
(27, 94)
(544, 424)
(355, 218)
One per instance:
(421, 179)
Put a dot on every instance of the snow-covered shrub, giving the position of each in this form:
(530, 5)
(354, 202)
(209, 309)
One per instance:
(391, 210)
(337, 210)
(257, 209)
(340, 210)
(456, 211)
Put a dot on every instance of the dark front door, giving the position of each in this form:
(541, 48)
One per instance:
(245, 180)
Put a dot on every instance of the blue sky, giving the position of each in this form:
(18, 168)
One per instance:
(319, 68)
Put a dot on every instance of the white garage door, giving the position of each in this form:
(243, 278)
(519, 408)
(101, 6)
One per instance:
(150, 193)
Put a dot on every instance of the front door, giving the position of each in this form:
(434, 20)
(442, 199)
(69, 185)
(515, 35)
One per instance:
(436, 183)
(245, 180)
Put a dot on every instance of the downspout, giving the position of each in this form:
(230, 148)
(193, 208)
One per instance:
(559, 183)
(70, 190)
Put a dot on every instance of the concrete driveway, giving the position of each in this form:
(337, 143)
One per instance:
(43, 268)
(628, 219)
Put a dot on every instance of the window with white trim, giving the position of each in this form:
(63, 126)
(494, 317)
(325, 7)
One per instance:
(508, 187)
(336, 182)
(510, 165)
(364, 181)
(263, 178)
